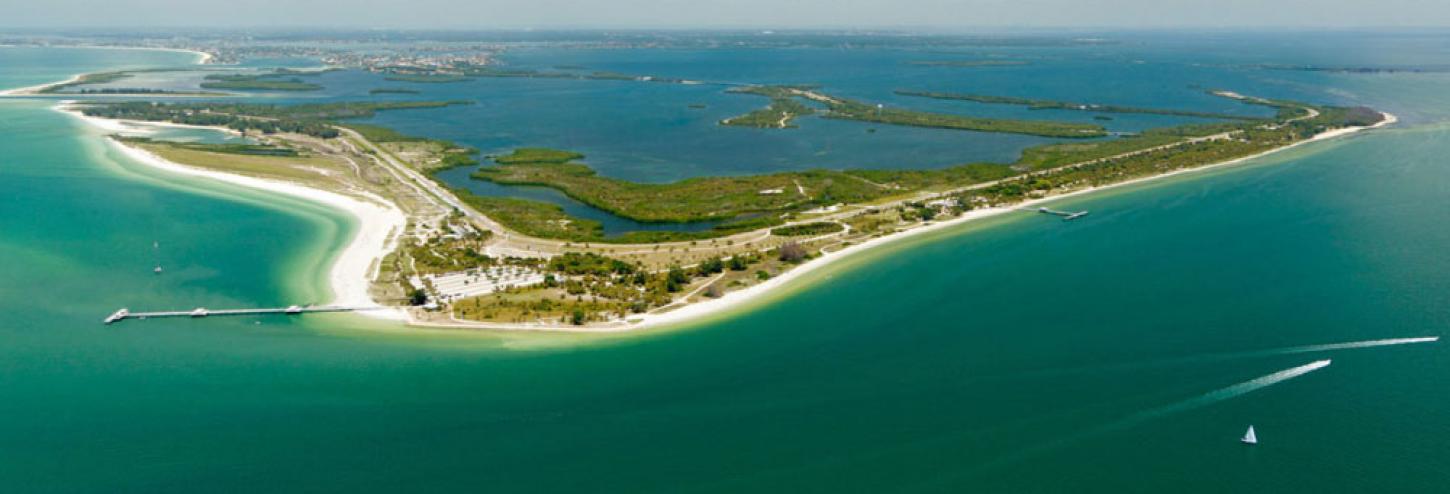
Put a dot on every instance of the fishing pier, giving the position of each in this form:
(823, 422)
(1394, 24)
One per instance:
(198, 312)
(1066, 215)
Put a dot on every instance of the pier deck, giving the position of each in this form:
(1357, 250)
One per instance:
(1066, 215)
(124, 314)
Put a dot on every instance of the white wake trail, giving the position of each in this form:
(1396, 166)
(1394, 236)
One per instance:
(1221, 394)
(1221, 357)
(1358, 344)
(1199, 401)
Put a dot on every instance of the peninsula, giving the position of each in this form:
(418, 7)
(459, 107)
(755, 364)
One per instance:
(446, 257)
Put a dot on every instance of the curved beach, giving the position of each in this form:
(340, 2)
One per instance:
(377, 224)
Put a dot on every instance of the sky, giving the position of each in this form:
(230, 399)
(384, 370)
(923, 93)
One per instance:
(546, 14)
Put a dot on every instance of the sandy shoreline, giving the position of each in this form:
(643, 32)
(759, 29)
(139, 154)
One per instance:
(740, 298)
(351, 273)
(203, 58)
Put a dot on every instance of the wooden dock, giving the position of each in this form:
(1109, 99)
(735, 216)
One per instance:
(124, 314)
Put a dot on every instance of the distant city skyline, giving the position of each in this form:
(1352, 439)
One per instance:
(762, 14)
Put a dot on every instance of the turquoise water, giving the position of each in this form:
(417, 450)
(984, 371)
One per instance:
(1019, 355)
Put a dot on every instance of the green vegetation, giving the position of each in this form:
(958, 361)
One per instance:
(782, 110)
(792, 252)
(539, 219)
(257, 85)
(854, 110)
(537, 156)
(314, 170)
(272, 81)
(377, 133)
(610, 76)
(924, 179)
(311, 119)
(388, 90)
(1040, 104)
(845, 109)
(463, 72)
(96, 78)
(247, 149)
(428, 78)
(1054, 155)
(143, 90)
(580, 288)
(1247, 139)
(808, 229)
(697, 199)
(439, 255)
(545, 220)
(450, 154)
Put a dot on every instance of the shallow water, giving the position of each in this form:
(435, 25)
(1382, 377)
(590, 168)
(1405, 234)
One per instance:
(1020, 355)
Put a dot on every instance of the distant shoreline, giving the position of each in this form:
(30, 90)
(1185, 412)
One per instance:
(35, 90)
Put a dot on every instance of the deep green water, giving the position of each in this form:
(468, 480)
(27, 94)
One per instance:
(1019, 355)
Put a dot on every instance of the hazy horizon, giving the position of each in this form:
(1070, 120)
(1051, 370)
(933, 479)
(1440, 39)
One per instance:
(937, 15)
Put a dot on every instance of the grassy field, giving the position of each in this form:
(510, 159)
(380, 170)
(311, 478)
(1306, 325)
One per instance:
(313, 170)
(245, 149)
(807, 229)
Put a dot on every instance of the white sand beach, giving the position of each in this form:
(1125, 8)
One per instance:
(378, 222)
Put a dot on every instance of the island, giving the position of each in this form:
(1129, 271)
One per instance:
(442, 256)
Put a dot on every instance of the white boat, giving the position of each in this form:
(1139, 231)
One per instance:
(156, 252)
(1249, 437)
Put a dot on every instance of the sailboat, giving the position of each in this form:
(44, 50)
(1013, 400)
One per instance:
(1249, 437)
(156, 252)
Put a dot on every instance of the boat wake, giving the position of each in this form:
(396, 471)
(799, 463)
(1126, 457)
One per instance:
(1356, 344)
(1220, 357)
(1206, 399)
(1209, 398)
(1221, 394)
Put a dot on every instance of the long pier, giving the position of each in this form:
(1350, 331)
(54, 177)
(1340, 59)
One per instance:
(124, 314)
(1066, 215)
